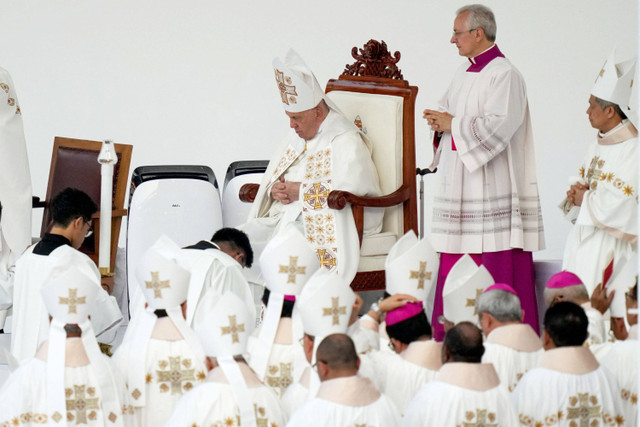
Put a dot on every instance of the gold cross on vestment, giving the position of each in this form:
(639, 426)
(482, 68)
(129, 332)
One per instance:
(292, 269)
(583, 411)
(481, 419)
(156, 284)
(285, 87)
(80, 404)
(316, 194)
(281, 382)
(175, 376)
(73, 300)
(471, 302)
(421, 274)
(326, 259)
(233, 329)
(335, 310)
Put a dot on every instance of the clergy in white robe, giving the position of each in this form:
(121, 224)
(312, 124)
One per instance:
(15, 190)
(511, 346)
(322, 152)
(569, 387)
(465, 392)
(69, 381)
(566, 286)
(486, 200)
(344, 398)
(163, 359)
(603, 201)
(71, 211)
(232, 394)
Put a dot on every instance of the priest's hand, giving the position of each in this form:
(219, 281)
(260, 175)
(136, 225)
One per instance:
(355, 309)
(285, 191)
(576, 193)
(395, 301)
(439, 121)
(599, 299)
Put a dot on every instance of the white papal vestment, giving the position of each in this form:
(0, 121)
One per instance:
(347, 401)
(569, 388)
(172, 368)
(606, 222)
(513, 350)
(468, 394)
(213, 403)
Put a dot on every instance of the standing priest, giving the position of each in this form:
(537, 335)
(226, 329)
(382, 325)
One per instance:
(322, 152)
(486, 203)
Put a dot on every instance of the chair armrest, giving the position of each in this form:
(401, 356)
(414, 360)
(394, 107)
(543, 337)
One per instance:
(338, 199)
(248, 192)
(114, 214)
(37, 203)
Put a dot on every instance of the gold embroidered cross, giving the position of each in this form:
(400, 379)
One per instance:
(292, 269)
(326, 259)
(595, 168)
(233, 329)
(583, 411)
(471, 302)
(316, 194)
(481, 419)
(174, 376)
(421, 274)
(260, 412)
(284, 88)
(156, 284)
(283, 381)
(601, 73)
(335, 310)
(80, 404)
(73, 300)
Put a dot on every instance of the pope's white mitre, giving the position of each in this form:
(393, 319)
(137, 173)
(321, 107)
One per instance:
(164, 282)
(288, 262)
(463, 284)
(411, 267)
(298, 87)
(325, 304)
(226, 325)
(615, 80)
(69, 295)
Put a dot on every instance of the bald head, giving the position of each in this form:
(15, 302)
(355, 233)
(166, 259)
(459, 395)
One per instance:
(463, 343)
(338, 352)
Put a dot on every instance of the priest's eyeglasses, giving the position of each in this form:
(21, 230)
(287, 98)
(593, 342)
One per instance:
(90, 229)
(457, 34)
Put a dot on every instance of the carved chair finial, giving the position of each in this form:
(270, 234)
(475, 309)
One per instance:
(374, 60)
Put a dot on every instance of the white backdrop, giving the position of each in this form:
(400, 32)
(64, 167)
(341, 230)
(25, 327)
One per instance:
(190, 82)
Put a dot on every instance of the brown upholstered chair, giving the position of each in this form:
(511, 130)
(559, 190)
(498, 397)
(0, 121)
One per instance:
(74, 163)
(373, 94)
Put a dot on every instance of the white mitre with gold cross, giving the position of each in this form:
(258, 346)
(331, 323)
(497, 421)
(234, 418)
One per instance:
(299, 89)
(614, 82)
(69, 295)
(465, 282)
(411, 267)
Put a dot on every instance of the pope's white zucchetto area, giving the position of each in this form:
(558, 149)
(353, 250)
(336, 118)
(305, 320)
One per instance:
(341, 214)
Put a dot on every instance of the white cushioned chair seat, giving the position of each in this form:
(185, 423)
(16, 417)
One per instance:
(377, 244)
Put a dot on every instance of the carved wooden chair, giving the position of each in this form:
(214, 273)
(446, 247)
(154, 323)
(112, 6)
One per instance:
(373, 94)
(74, 163)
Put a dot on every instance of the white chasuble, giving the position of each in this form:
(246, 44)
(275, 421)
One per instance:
(213, 403)
(463, 394)
(338, 158)
(486, 198)
(622, 362)
(23, 398)
(606, 221)
(513, 350)
(172, 368)
(347, 401)
(569, 389)
(30, 318)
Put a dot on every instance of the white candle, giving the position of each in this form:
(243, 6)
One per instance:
(107, 158)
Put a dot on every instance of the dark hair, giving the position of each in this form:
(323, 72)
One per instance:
(464, 342)
(567, 324)
(604, 104)
(411, 329)
(70, 204)
(238, 240)
(287, 306)
(338, 352)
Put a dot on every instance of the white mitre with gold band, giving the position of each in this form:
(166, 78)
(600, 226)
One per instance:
(298, 86)
(69, 295)
(224, 326)
(287, 263)
(465, 282)
(614, 82)
(164, 286)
